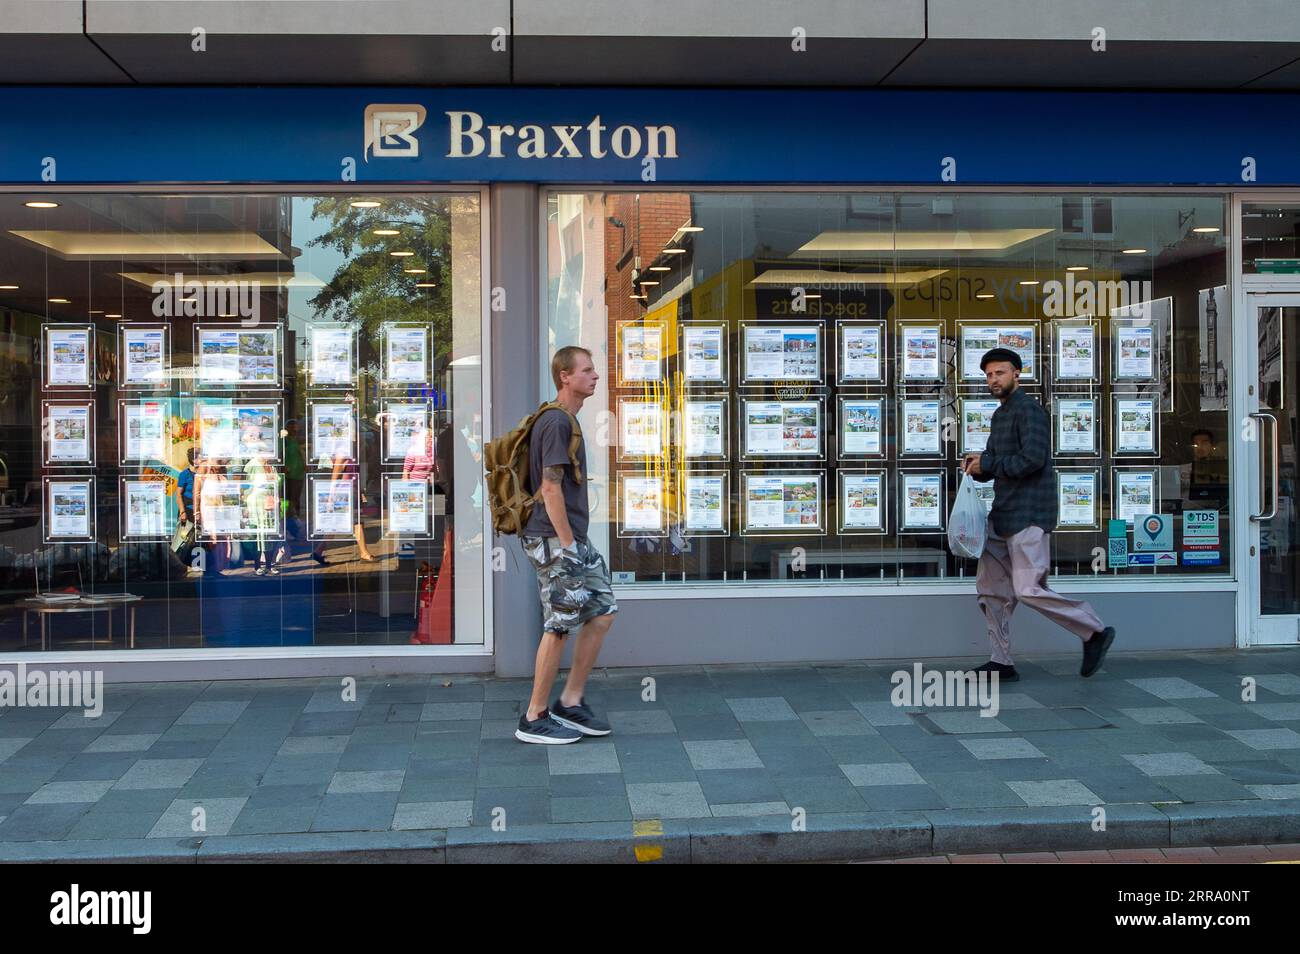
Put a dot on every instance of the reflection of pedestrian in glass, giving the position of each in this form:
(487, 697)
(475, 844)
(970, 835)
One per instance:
(261, 506)
(211, 484)
(341, 468)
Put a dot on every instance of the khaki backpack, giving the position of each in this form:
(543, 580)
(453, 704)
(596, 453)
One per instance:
(506, 462)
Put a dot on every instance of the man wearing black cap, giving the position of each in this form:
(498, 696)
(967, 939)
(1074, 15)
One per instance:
(1013, 567)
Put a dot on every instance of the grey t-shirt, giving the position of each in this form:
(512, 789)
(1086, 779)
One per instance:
(548, 446)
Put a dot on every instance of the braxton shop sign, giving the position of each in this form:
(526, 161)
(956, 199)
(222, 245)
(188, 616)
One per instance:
(390, 131)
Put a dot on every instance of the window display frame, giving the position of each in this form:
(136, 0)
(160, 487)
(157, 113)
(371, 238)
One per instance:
(819, 475)
(842, 503)
(748, 380)
(684, 476)
(389, 532)
(1095, 525)
(354, 511)
(47, 511)
(683, 438)
(275, 328)
(47, 365)
(1031, 376)
(169, 524)
(1063, 324)
(904, 527)
(276, 443)
(964, 400)
(902, 327)
(841, 417)
(123, 329)
(1121, 323)
(389, 457)
(906, 453)
(623, 531)
(1095, 447)
(312, 457)
(1116, 451)
(275, 535)
(641, 324)
(47, 436)
(623, 455)
(723, 354)
(1117, 472)
(123, 425)
(841, 378)
(386, 379)
(315, 328)
(747, 455)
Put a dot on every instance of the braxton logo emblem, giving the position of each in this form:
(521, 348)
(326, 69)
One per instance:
(390, 129)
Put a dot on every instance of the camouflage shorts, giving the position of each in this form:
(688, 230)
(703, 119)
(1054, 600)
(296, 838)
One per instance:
(572, 591)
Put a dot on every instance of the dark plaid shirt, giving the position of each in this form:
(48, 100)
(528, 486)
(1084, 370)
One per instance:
(1018, 459)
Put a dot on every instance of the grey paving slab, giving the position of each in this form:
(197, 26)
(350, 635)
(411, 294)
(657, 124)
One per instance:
(985, 749)
(451, 711)
(1267, 738)
(452, 814)
(197, 818)
(1052, 792)
(667, 800)
(81, 719)
(837, 722)
(642, 722)
(972, 790)
(750, 810)
(8, 746)
(158, 773)
(1204, 788)
(137, 742)
(762, 709)
(1159, 764)
(364, 811)
(1282, 684)
(586, 758)
(63, 793)
(590, 808)
(206, 713)
(511, 807)
(883, 713)
(900, 773)
(1276, 791)
(1160, 715)
(313, 744)
(723, 754)
(1277, 711)
(966, 723)
(1172, 688)
(351, 783)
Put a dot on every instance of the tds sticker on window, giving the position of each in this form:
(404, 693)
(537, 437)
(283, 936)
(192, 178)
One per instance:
(1117, 552)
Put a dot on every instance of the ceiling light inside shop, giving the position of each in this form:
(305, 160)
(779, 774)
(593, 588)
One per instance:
(41, 205)
(267, 281)
(811, 295)
(1206, 229)
(401, 254)
(674, 251)
(993, 242)
(791, 277)
(385, 232)
(984, 296)
(365, 204)
(415, 271)
(691, 228)
(660, 268)
(647, 283)
(1029, 282)
(112, 316)
(1076, 268)
(95, 246)
(8, 287)
(426, 284)
(58, 301)
(1134, 251)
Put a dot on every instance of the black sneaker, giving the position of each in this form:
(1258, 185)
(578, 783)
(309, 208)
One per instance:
(1094, 651)
(579, 717)
(1005, 673)
(545, 730)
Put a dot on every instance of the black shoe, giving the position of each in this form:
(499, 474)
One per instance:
(1094, 650)
(545, 730)
(1005, 673)
(579, 717)
(320, 558)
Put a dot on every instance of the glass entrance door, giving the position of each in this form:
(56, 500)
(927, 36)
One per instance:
(1270, 434)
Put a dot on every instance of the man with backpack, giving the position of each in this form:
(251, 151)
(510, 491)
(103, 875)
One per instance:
(550, 513)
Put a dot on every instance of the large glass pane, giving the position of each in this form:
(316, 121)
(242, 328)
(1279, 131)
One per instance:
(792, 377)
(252, 420)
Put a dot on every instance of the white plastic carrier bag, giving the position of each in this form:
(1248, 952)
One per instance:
(967, 524)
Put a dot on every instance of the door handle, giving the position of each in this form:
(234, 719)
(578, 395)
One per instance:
(1274, 470)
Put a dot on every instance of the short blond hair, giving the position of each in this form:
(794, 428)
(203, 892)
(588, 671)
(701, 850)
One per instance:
(564, 360)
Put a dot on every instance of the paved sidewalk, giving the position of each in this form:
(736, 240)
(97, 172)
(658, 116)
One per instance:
(724, 763)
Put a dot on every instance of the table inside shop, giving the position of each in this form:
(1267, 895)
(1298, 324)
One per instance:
(916, 556)
(44, 610)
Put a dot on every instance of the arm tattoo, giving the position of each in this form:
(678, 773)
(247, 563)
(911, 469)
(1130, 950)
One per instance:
(553, 474)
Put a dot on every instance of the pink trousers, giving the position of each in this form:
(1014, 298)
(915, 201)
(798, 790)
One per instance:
(1014, 570)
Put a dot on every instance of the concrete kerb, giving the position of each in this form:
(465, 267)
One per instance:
(829, 837)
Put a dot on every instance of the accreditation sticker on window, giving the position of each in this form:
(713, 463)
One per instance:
(1117, 552)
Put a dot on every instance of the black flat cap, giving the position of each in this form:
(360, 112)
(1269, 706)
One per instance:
(1001, 354)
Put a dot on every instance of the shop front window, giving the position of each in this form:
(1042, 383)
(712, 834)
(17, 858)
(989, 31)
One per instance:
(791, 379)
(240, 421)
